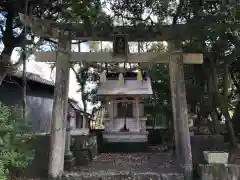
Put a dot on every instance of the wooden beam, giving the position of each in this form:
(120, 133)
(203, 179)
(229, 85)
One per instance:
(77, 31)
(50, 29)
(148, 57)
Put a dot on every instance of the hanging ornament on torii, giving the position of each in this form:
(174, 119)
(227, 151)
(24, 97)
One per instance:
(120, 46)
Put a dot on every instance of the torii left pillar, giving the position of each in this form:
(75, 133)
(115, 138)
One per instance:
(59, 115)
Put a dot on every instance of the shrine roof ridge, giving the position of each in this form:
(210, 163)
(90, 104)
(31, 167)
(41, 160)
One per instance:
(113, 87)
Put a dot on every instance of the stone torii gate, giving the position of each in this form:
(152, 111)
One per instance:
(63, 57)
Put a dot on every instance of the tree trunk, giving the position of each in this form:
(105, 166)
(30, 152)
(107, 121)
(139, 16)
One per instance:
(223, 102)
(154, 115)
(24, 89)
(236, 115)
(10, 42)
(236, 118)
(212, 104)
(85, 118)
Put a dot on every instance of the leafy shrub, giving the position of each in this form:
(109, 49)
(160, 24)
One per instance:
(16, 151)
(3, 171)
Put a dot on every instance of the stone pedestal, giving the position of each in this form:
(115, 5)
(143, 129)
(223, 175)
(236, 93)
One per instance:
(200, 143)
(215, 157)
(69, 160)
(85, 149)
(219, 172)
(125, 137)
(83, 157)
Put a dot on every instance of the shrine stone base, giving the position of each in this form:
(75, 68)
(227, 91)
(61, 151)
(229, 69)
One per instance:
(125, 141)
(219, 172)
(125, 137)
(69, 161)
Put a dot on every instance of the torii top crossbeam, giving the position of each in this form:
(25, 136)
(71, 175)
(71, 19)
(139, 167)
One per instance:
(45, 28)
(50, 29)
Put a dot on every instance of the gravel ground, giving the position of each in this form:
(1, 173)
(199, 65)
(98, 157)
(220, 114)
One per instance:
(154, 162)
(124, 163)
(22, 178)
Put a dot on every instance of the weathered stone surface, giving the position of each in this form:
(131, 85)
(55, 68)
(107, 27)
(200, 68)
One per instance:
(200, 143)
(69, 161)
(84, 141)
(83, 157)
(84, 148)
(216, 157)
(39, 166)
(128, 166)
(219, 172)
(94, 150)
(125, 176)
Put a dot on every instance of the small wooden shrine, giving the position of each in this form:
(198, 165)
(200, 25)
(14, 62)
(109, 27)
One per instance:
(123, 94)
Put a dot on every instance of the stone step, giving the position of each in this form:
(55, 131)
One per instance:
(124, 176)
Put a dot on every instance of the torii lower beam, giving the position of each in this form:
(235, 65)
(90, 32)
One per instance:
(105, 57)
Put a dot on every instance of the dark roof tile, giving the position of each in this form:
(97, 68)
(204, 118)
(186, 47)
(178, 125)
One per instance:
(32, 77)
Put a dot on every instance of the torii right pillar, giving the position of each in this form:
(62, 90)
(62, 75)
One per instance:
(180, 114)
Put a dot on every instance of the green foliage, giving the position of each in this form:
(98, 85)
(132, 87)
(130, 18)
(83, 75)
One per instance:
(16, 151)
(160, 103)
(85, 76)
(3, 171)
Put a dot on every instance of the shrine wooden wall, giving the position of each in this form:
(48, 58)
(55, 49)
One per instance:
(39, 102)
(119, 121)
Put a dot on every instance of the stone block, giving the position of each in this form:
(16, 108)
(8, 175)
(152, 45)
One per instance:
(125, 176)
(219, 172)
(78, 141)
(215, 157)
(84, 141)
(92, 139)
(94, 151)
(200, 143)
(39, 166)
(69, 162)
(83, 144)
(82, 157)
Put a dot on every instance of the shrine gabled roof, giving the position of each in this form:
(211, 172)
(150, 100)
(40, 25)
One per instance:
(130, 87)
